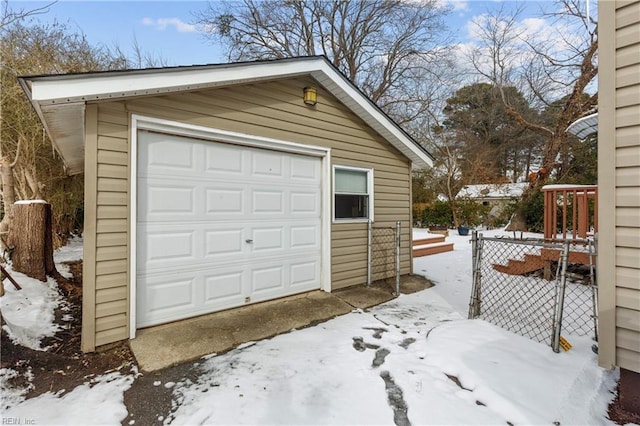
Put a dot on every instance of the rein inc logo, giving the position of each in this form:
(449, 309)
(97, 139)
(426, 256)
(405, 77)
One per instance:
(17, 421)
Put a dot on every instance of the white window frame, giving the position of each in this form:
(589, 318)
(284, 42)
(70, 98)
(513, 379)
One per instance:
(370, 193)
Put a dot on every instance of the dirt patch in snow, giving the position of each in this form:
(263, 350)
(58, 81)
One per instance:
(63, 366)
(621, 416)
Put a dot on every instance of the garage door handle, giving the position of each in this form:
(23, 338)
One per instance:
(248, 241)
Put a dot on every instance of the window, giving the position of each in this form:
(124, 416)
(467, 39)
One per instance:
(353, 193)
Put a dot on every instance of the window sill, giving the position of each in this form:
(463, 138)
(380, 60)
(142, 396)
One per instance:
(363, 220)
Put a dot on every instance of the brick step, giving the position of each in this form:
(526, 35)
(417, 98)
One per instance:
(432, 248)
(429, 240)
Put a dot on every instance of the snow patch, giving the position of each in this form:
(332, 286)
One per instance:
(100, 401)
(25, 202)
(247, 344)
(9, 395)
(29, 313)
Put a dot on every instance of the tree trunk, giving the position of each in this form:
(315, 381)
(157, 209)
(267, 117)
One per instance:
(8, 198)
(31, 238)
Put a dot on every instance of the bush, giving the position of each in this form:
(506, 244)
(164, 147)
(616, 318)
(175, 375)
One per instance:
(438, 214)
(471, 213)
(533, 211)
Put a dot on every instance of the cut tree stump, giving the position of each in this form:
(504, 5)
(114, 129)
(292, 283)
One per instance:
(31, 239)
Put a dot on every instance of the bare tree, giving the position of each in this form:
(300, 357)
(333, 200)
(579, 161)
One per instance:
(391, 49)
(556, 66)
(30, 169)
(10, 15)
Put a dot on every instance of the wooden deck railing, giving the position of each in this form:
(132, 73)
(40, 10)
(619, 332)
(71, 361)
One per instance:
(570, 207)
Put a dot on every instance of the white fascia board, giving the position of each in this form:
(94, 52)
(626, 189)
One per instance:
(377, 116)
(89, 87)
(103, 86)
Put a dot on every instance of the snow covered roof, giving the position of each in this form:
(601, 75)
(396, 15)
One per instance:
(584, 126)
(493, 190)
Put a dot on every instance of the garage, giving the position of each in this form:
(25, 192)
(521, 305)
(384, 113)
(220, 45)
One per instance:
(212, 187)
(222, 225)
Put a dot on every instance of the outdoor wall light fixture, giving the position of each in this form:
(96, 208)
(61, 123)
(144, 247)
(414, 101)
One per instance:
(310, 96)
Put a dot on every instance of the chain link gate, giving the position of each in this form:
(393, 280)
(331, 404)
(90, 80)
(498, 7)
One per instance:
(383, 255)
(535, 288)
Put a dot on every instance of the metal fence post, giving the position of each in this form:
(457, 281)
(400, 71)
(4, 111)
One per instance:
(594, 287)
(398, 229)
(476, 263)
(559, 299)
(369, 252)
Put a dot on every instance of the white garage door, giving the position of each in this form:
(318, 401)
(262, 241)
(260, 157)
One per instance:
(220, 226)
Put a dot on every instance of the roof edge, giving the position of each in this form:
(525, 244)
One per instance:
(61, 89)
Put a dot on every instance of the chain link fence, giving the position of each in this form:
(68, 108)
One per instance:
(383, 263)
(535, 288)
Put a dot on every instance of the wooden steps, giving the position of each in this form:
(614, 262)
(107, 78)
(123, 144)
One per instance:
(428, 240)
(530, 263)
(581, 257)
(533, 262)
(431, 245)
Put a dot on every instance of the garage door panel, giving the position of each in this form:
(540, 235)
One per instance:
(223, 160)
(168, 201)
(223, 225)
(267, 202)
(224, 288)
(267, 164)
(274, 279)
(162, 246)
(163, 297)
(225, 241)
(305, 202)
(166, 245)
(169, 154)
(267, 239)
(267, 278)
(305, 274)
(304, 169)
(221, 200)
(304, 237)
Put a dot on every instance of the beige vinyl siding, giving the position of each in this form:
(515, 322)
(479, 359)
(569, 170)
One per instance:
(268, 109)
(88, 331)
(112, 225)
(627, 183)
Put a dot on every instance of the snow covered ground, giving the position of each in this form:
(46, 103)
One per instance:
(413, 360)
(29, 313)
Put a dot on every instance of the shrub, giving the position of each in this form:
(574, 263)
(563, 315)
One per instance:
(533, 211)
(439, 213)
(471, 213)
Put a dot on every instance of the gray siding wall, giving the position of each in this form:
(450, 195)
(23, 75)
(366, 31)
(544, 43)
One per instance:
(274, 110)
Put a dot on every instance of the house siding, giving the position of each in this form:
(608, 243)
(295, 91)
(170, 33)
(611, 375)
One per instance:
(619, 121)
(273, 110)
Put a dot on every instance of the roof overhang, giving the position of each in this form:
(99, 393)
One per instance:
(59, 100)
(584, 126)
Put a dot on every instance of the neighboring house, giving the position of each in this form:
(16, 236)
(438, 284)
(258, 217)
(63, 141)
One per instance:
(618, 264)
(497, 196)
(212, 187)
